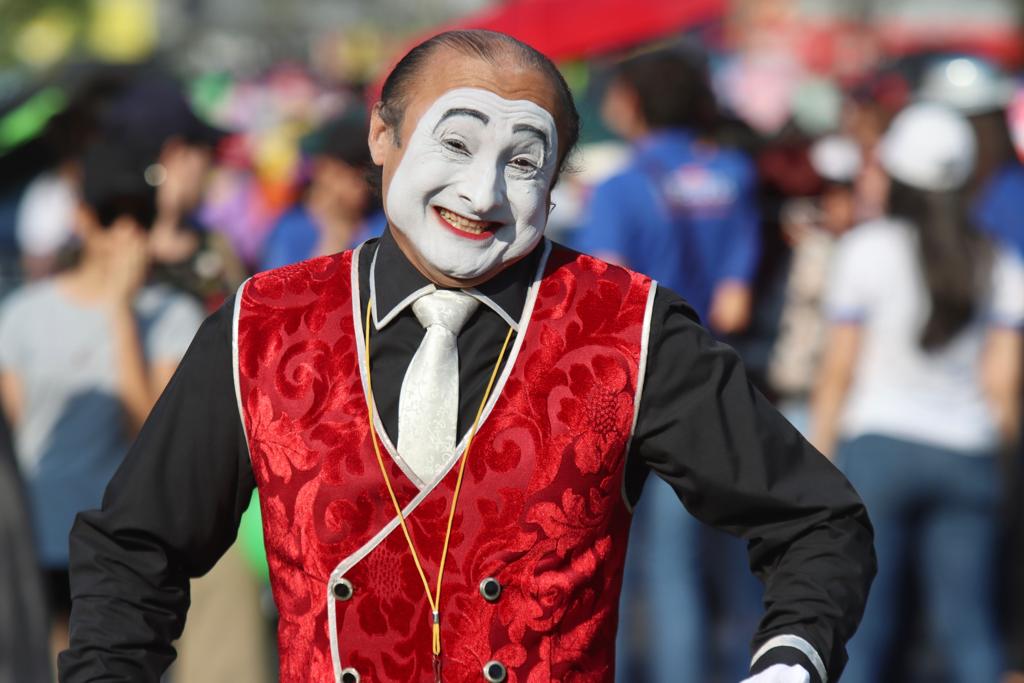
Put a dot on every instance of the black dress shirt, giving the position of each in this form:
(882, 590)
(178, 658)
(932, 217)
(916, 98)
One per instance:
(174, 505)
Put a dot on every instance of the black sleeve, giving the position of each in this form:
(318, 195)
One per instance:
(168, 514)
(740, 466)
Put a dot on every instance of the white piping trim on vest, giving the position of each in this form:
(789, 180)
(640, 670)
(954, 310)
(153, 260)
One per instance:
(799, 643)
(332, 631)
(234, 362)
(347, 563)
(645, 339)
(358, 317)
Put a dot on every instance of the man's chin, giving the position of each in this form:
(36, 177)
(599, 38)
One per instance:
(457, 273)
(454, 254)
(464, 279)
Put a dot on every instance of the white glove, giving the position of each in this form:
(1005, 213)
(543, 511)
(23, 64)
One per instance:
(781, 673)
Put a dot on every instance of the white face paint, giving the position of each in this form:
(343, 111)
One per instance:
(471, 191)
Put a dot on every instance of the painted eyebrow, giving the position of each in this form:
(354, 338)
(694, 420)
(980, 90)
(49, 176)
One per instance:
(525, 127)
(464, 111)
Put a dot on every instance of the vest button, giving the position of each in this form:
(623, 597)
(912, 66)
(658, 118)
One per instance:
(349, 675)
(343, 591)
(490, 589)
(495, 672)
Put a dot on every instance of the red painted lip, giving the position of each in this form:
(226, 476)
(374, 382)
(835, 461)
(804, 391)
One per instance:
(487, 232)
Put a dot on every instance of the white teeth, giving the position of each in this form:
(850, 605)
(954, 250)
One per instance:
(463, 223)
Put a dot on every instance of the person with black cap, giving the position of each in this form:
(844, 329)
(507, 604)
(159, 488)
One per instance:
(84, 355)
(153, 114)
(332, 214)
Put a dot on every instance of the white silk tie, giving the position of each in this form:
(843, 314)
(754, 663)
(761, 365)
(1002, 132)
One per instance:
(428, 405)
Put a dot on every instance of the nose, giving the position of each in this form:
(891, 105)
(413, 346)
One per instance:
(483, 187)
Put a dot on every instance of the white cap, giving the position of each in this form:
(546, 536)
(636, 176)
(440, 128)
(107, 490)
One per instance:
(930, 147)
(968, 84)
(836, 158)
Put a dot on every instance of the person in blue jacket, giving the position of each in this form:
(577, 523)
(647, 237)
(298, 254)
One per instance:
(683, 211)
(336, 208)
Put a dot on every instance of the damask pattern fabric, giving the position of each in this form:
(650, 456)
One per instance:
(541, 508)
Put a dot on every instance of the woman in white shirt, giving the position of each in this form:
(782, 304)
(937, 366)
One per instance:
(919, 389)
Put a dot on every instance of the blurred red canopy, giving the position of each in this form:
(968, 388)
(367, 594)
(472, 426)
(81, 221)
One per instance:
(570, 29)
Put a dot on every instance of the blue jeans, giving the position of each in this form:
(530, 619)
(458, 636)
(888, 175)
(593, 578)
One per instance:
(935, 511)
(663, 632)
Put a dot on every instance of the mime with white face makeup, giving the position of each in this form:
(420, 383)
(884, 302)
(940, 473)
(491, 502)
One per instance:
(448, 428)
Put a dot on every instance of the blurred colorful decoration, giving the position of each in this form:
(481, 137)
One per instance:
(968, 84)
(123, 30)
(351, 54)
(1015, 119)
(46, 38)
(27, 120)
(577, 74)
(817, 106)
(261, 167)
(275, 160)
(760, 86)
(237, 205)
(209, 93)
(988, 28)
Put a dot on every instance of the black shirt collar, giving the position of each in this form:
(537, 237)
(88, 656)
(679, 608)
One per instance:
(395, 284)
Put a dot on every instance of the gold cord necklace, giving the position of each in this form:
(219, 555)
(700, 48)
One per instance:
(435, 599)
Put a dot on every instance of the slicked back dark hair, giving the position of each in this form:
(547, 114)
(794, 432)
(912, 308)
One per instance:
(673, 90)
(492, 47)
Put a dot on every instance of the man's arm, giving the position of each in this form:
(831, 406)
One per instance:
(169, 513)
(732, 298)
(617, 228)
(835, 376)
(125, 276)
(739, 466)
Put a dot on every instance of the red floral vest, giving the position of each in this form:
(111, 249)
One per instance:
(541, 524)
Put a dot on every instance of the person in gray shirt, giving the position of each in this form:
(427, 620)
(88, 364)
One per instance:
(84, 355)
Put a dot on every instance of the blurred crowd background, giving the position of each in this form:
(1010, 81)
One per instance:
(835, 186)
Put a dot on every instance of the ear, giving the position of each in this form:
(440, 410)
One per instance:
(381, 136)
